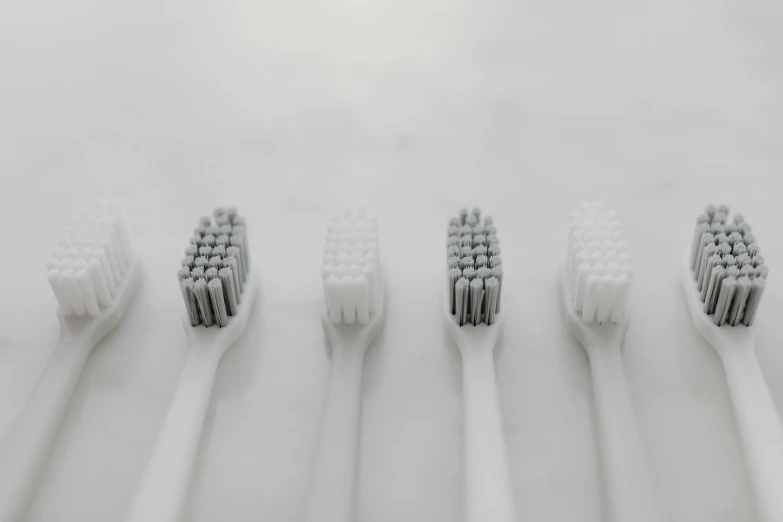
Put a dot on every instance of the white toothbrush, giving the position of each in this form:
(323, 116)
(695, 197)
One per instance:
(354, 292)
(218, 288)
(595, 288)
(93, 275)
(724, 278)
(472, 318)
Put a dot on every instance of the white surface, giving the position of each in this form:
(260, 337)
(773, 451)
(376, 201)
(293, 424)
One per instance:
(292, 110)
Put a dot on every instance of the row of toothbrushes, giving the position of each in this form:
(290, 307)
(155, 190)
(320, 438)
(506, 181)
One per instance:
(94, 273)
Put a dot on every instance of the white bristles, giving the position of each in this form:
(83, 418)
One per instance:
(91, 262)
(597, 270)
(349, 268)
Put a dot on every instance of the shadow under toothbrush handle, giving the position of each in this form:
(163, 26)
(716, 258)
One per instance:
(760, 429)
(333, 487)
(164, 486)
(488, 493)
(627, 478)
(24, 450)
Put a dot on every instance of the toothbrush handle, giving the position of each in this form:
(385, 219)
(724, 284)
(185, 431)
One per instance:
(332, 495)
(630, 490)
(165, 483)
(760, 429)
(488, 494)
(24, 450)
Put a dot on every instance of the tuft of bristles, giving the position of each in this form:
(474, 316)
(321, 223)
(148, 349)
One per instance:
(728, 267)
(215, 269)
(598, 271)
(474, 268)
(91, 262)
(349, 269)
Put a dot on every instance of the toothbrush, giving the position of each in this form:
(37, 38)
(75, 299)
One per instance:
(473, 320)
(354, 293)
(595, 288)
(93, 275)
(724, 278)
(218, 288)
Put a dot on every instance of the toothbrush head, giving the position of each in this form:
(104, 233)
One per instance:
(350, 270)
(215, 276)
(474, 271)
(93, 267)
(724, 275)
(598, 272)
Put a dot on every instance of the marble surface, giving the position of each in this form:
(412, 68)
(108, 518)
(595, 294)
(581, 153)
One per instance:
(293, 110)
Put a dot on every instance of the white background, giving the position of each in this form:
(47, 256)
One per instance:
(292, 110)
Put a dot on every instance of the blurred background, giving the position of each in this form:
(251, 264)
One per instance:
(293, 110)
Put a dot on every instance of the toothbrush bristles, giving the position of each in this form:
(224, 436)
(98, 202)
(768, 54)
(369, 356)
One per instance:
(91, 262)
(212, 276)
(598, 273)
(728, 268)
(474, 273)
(350, 268)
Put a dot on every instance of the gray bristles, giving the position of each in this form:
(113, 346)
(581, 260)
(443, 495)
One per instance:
(204, 302)
(474, 272)
(461, 295)
(728, 267)
(454, 274)
(497, 273)
(476, 299)
(184, 273)
(218, 301)
(492, 287)
(191, 305)
(215, 269)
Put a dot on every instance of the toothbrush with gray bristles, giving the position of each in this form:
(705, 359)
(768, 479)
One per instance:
(473, 320)
(724, 276)
(93, 275)
(218, 288)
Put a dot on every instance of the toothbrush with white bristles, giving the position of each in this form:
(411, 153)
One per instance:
(473, 320)
(355, 297)
(724, 277)
(93, 275)
(595, 285)
(219, 288)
